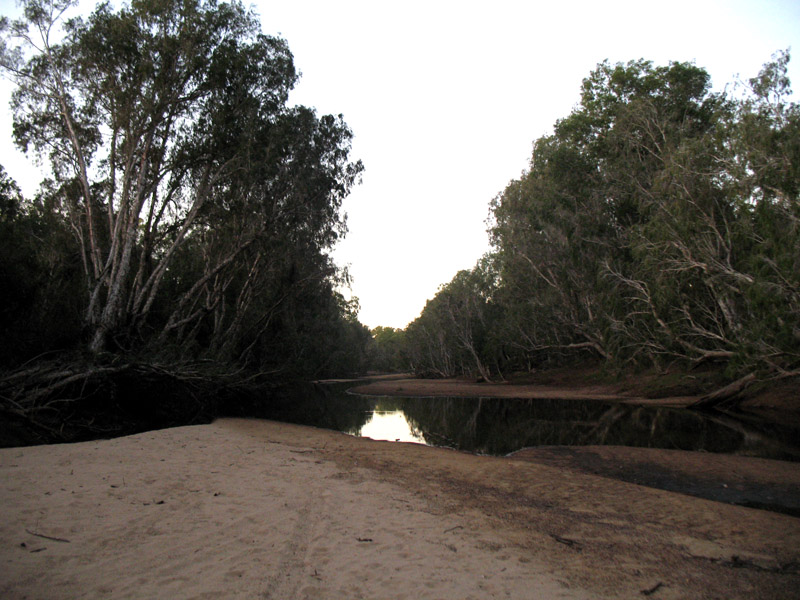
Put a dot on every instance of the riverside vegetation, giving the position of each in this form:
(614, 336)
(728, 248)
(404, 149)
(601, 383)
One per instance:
(181, 245)
(657, 227)
(176, 262)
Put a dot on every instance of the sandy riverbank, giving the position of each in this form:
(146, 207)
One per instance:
(676, 390)
(255, 509)
(409, 386)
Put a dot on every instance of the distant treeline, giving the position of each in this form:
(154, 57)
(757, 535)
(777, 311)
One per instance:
(658, 226)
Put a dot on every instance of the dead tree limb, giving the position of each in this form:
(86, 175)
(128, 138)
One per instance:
(725, 394)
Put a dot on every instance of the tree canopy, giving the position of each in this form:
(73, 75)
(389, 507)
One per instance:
(201, 206)
(657, 225)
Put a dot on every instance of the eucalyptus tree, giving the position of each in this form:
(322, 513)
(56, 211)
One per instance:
(561, 227)
(451, 335)
(659, 222)
(714, 275)
(662, 128)
(546, 232)
(189, 184)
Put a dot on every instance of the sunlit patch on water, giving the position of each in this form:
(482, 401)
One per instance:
(390, 425)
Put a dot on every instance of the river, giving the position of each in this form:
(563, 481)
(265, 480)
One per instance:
(499, 426)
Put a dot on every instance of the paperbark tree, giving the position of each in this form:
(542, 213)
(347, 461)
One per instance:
(658, 223)
(166, 126)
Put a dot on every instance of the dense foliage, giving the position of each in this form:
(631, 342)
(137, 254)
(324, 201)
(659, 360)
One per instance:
(386, 350)
(191, 210)
(659, 224)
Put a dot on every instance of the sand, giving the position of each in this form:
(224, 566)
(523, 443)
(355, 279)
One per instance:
(583, 384)
(257, 509)
(577, 390)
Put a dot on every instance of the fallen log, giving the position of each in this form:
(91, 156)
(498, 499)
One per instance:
(725, 394)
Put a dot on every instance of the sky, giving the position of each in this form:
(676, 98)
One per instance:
(446, 98)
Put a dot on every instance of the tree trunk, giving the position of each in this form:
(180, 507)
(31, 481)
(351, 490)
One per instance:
(725, 394)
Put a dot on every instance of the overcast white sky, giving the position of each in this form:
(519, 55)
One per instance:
(445, 99)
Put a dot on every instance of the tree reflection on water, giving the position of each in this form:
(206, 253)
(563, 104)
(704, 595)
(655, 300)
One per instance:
(499, 426)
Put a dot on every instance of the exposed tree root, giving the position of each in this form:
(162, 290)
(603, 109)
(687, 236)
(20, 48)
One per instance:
(56, 402)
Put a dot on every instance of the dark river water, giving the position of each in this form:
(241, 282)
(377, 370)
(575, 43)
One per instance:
(499, 426)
